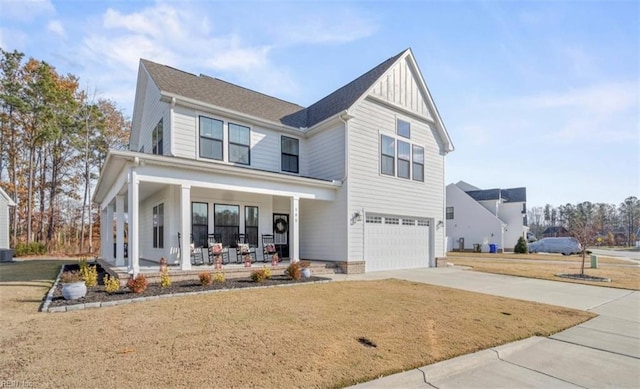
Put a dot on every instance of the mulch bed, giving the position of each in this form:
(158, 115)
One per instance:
(98, 293)
(583, 277)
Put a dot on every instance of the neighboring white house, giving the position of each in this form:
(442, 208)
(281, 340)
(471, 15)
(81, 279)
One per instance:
(492, 216)
(5, 202)
(356, 178)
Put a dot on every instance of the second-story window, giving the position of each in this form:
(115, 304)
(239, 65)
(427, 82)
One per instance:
(404, 158)
(239, 144)
(156, 138)
(211, 138)
(290, 154)
(418, 163)
(388, 157)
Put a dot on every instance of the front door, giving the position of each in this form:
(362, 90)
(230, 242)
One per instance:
(281, 234)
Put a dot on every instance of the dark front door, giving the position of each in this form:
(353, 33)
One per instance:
(281, 233)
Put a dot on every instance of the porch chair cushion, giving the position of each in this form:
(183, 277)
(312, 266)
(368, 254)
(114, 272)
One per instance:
(270, 248)
(216, 248)
(243, 248)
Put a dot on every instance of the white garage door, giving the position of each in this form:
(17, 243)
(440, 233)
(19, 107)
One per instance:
(396, 242)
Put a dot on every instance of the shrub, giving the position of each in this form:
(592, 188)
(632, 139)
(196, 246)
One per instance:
(138, 284)
(205, 278)
(219, 277)
(33, 248)
(521, 246)
(165, 279)
(89, 273)
(258, 275)
(267, 272)
(68, 277)
(111, 284)
(294, 271)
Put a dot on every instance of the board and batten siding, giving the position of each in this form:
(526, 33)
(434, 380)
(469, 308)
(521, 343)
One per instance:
(373, 192)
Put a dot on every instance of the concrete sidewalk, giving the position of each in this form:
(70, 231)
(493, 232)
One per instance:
(603, 352)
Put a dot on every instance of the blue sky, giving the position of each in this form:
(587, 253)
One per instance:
(541, 94)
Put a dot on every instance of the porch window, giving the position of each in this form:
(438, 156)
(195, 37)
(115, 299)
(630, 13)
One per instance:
(199, 223)
(210, 138)
(418, 163)
(251, 224)
(403, 129)
(290, 154)
(404, 159)
(239, 144)
(449, 213)
(388, 155)
(156, 138)
(227, 223)
(158, 226)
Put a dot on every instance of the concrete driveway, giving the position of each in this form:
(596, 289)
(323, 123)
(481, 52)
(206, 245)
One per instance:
(603, 352)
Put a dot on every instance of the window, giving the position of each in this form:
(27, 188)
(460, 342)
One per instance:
(387, 159)
(423, 222)
(418, 163)
(200, 223)
(408, 222)
(403, 129)
(404, 159)
(156, 138)
(158, 226)
(210, 138)
(239, 144)
(391, 220)
(374, 219)
(227, 223)
(449, 213)
(251, 224)
(290, 153)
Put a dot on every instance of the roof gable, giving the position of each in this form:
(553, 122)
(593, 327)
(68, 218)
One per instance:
(7, 199)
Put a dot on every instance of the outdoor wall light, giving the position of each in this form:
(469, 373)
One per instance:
(440, 224)
(357, 217)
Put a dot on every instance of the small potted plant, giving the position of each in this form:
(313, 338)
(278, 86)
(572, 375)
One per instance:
(306, 272)
(73, 286)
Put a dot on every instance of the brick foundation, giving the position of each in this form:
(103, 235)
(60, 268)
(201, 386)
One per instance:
(355, 267)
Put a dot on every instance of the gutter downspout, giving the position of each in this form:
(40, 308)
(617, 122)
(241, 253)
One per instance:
(344, 118)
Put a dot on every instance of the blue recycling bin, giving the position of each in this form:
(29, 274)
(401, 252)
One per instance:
(493, 248)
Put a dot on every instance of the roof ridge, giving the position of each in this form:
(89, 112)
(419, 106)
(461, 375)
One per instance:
(169, 67)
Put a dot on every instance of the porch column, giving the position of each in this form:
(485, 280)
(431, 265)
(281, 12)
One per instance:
(132, 212)
(185, 227)
(119, 230)
(108, 230)
(294, 244)
(103, 234)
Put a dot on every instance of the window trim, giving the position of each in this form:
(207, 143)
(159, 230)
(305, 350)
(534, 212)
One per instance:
(414, 164)
(232, 242)
(206, 224)
(398, 120)
(230, 143)
(157, 138)
(383, 155)
(449, 213)
(200, 136)
(408, 161)
(283, 154)
(246, 224)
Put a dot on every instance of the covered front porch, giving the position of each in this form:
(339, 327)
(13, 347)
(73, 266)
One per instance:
(151, 203)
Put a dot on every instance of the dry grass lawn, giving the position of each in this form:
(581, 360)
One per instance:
(624, 277)
(300, 336)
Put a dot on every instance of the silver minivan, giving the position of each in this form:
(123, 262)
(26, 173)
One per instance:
(564, 246)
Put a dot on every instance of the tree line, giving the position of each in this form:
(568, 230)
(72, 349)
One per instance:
(605, 224)
(54, 137)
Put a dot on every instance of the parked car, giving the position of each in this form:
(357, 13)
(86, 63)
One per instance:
(531, 237)
(564, 246)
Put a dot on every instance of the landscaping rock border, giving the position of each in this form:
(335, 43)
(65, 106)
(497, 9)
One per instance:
(54, 302)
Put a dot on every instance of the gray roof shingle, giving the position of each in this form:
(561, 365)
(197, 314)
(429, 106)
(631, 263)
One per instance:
(229, 96)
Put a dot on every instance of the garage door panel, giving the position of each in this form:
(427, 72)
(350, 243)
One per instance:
(395, 246)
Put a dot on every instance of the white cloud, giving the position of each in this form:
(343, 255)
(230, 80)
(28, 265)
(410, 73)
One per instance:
(25, 10)
(55, 26)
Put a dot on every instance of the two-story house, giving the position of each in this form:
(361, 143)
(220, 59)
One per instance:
(485, 217)
(356, 178)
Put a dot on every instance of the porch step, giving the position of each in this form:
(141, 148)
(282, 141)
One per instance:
(231, 271)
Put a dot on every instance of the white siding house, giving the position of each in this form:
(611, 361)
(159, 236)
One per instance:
(485, 217)
(5, 202)
(356, 178)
